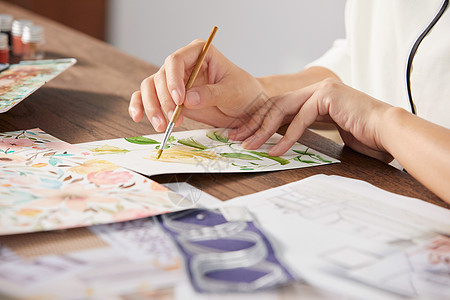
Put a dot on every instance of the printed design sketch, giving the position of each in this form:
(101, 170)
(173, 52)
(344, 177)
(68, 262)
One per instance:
(22, 79)
(422, 271)
(201, 151)
(48, 184)
(363, 241)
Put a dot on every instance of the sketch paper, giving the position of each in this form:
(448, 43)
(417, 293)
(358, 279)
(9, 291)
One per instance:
(201, 151)
(47, 184)
(418, 271)
(21, 80)
(336, 233)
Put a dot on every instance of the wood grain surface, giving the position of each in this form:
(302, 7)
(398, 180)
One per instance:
(89, 102)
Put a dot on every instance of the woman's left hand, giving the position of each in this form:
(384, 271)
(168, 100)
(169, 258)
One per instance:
(357, 116)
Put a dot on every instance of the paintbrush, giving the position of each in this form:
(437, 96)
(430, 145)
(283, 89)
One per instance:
(189, 84)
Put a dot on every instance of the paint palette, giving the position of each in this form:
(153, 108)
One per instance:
(21, 80)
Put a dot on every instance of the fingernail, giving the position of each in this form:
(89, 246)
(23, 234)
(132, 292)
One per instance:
(132, 112)
(193, 98)
(176, 97)
(248, 141)
(156, 121)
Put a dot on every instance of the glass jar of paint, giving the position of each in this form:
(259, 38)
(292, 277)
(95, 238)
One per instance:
(4, 49)
(16, 35)
(33, 42)
(5, 25)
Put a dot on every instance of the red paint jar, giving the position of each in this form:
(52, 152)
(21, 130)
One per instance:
(4, 48)
(16, 35)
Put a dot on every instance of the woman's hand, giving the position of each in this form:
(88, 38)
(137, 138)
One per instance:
(357, 116)
(222, 96)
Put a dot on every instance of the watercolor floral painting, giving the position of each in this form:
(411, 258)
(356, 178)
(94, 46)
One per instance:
(22, 79)
(47, 184)
(201, 151)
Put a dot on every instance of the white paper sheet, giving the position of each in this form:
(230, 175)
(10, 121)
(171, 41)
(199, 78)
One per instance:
(329, 227)
(201, 151)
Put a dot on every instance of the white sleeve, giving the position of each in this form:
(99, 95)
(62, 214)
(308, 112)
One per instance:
(337, 60)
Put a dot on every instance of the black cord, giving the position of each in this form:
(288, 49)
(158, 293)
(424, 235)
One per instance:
(412, 53)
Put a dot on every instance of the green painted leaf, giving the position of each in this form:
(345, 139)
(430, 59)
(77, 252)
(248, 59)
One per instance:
(312, 155)
(278, 159)
(302, 152)
(141, 140)
(305, 161)
(216, 136)
(159, 146)
(323, 159)
(247, 169)
(240, 156)
(192, 143)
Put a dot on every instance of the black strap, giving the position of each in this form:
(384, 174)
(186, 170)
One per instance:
(412, 53)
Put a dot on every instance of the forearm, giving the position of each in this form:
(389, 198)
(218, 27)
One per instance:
(421, 147)
(275, 85)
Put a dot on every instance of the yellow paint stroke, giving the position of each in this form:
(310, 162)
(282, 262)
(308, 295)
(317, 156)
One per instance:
(187, 155)
(107, 149)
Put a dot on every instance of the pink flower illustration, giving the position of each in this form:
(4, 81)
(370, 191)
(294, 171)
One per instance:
(74, 197)
(15, 144)
(61, 146)
(109, 177)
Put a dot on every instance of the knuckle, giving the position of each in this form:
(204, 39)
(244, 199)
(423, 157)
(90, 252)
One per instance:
(172, 59)
(158, 75)
(329, 84)
(146, 82)
(198, 41)
(135, 94)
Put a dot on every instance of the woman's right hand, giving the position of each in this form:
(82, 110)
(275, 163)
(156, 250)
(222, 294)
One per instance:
(223, 94)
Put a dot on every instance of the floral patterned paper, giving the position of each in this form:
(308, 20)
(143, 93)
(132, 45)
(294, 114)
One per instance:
(22, 79)
(47, 184)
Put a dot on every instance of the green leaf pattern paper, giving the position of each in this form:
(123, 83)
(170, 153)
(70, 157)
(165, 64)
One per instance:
(47, 184)
(202, 151)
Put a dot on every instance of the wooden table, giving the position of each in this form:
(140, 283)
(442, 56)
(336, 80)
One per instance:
(90, 102)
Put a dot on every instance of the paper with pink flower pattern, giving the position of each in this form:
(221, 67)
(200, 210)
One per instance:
(48, 184)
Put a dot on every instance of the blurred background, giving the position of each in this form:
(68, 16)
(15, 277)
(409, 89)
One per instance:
(262, 36)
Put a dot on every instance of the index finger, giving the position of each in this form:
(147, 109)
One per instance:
(177, 67)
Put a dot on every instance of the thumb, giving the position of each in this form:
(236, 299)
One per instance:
(206, 96)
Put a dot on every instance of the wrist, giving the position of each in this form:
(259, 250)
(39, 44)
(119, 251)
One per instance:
(275, 85)
(268, 86)
(390, 125)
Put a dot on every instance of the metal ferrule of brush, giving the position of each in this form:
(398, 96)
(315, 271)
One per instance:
(167, 135)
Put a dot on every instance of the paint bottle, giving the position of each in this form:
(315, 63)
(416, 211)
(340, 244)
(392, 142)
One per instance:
(33, 42)
(4, 49)
(5, 25)
(16, 35)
